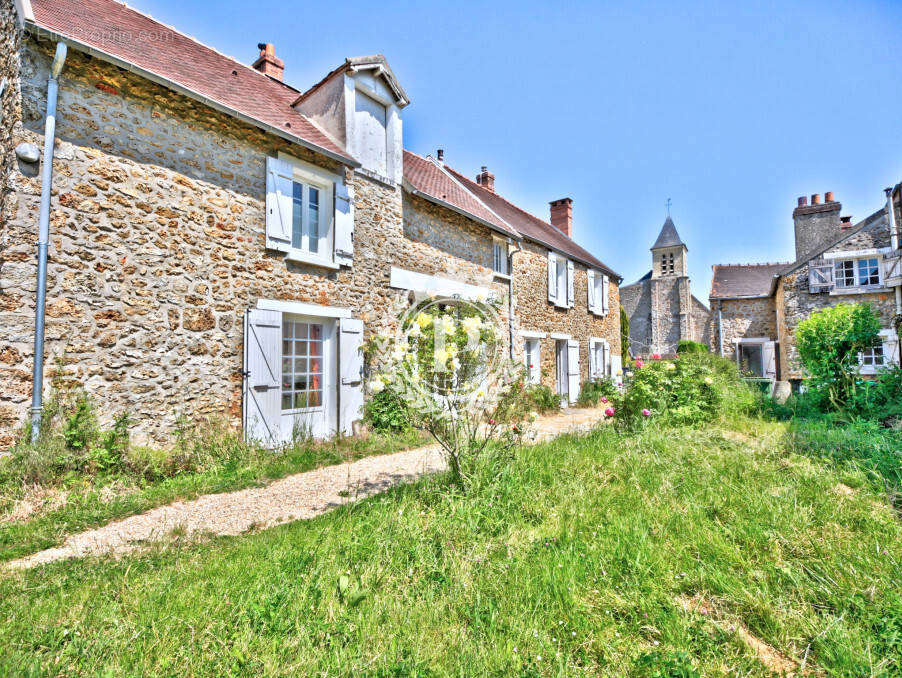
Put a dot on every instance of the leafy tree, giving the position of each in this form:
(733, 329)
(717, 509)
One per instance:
(624, 336)
(829, 342)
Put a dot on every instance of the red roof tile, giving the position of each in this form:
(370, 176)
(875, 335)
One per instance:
(426, 177)
(531, 226)
(138, 39)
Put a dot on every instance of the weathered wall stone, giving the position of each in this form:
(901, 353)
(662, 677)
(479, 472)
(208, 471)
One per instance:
(535, 313)
(662, 311)
(742, 318)
(10, 37)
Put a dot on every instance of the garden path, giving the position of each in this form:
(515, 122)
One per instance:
(297, 497)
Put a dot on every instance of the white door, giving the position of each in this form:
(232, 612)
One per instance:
(262, 335)
(573, 370)
(308, 376)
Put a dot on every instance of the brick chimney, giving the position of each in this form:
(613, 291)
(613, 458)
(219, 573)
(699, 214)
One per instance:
(562, 216)
(815, 224)
(268, 63)
(486, 179)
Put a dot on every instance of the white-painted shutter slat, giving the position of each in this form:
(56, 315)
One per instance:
(890, 347)
(590, 280)
(573, 370)
(605, 294)
(344, 223)
(593, 368)
(552, 277)
(350, 371)
(262, 376)
(279, 206)
(820, 275)
(769, 359)
(570, 295)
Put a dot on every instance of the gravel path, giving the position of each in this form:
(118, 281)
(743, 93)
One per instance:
(297, 497)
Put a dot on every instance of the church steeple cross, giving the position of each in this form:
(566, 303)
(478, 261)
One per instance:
(667, 205)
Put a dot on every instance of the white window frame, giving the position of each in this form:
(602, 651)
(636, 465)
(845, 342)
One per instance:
(598, 370)
(534, 368)
(888, 351)
(500, 257)
(311, 176)
(560, 275)
(856, 284)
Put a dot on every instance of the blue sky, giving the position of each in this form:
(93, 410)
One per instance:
(732, 109)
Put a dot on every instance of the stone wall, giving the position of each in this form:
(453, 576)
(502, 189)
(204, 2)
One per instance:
(742, 318)
(662, 311)
(636, 300)
(796, 303)
(700, 323)
(535, 313)
(10, 36)
(157, 249)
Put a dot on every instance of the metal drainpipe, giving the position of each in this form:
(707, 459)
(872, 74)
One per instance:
(720, 327)
(37, 386)
(510, 284)
(894, 240)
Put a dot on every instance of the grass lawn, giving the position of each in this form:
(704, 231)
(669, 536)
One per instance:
(90, 502)
(583, 556)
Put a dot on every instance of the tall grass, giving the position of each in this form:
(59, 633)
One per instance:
(571, 558)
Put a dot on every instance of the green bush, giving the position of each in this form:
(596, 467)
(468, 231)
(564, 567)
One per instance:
(544, 400)
(688, 346)
(692, 389)
(387, 413)
(594, 390)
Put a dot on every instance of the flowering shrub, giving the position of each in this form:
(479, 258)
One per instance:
(595, 391)
(446, 366)
(687, 390)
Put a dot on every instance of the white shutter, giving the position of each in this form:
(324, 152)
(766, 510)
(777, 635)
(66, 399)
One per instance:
(820, 275)
(606, 369)
(573, 370)
(570, 295)
(344, 223)
(592, 366)
(536, 369)
(262, 376)
(552, 277)
(605, 294)
(350, 373)
(769, 360)
(890, 347)
(892, 268)
(279, 188)
(590, 281)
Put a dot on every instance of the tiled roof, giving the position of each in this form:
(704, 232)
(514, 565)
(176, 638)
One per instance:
(530, 226)
(137, 39)
(744, 281)
(428, 178)
(876, 218)
(668, 237)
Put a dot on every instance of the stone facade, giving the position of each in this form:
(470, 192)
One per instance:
(534, 313)
(10, 36)
(743, 318)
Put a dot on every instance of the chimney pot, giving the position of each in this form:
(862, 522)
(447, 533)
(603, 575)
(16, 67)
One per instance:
(803, 201)
(486, 179)
(562, 216)
(268, 63)
(440, 154)
(828, 196)
(815, 198)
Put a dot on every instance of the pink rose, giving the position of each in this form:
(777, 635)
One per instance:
(603, 399)
(646, 413)
(655, 356)
(492, 422)
(639, 364)
(609, 412)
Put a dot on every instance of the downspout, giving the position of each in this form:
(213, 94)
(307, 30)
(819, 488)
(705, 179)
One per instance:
(894, 241)
(37, 386)
(510, 284)
(720, 326)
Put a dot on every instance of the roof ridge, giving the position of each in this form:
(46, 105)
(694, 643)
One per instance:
(757, 263)
(450, 174)
(202, 44)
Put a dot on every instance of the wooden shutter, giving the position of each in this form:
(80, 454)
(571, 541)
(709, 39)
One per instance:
(769, 360)
(279, 189)
(592, 366)
(350, 371)
(820, 275)
(892, 268)
(605, 294)
(606, 369)
(890, 347)
(552, 277)
(573, 370)
(344, 223)
(262, 376)
(570, 295)
(590, 279)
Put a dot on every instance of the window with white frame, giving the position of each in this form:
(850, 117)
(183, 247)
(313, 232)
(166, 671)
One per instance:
(561, 275)
(305, 217)
(598, 281)
(597, 359)
(302, 365)
(857, 272)
(532, 358)
(500, 257)
(873, 357)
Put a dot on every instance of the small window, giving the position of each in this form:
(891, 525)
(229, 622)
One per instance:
(533, 367)
(599, 291)
(305, 220)
(670, 262)
(499, 257)
(562, 280)
(868, 272)
(873, 357)
(751, 359)
(302, 365)
(844, 275)
(663, 264)
(598, 361)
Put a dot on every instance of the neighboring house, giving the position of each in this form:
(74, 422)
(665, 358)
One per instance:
(660, 305)
(757, 308)
(222, 243)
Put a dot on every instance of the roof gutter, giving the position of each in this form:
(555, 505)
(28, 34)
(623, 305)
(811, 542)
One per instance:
(33, 27)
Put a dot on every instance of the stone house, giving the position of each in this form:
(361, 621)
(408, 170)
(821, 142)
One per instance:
(757, 308)
(221, 243)
(660, 306)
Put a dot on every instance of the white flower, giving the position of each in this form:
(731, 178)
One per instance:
(441, 356)
(414, 330)
(709, 380)
(424, 320)
(377, 386)
(480, 297)
(671, 366)
(448, 324)
(455, 364)
(471, 325)
(629, 374)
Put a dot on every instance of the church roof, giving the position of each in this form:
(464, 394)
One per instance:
(668, 236)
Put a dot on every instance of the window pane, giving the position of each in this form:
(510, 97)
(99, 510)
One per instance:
(845, 273)
(300, 400)
(286, 401)
(300, 365)
(868, 272)
(314, 399)
(297, 214)
(286, 347)
(316, 332)
(313, 219)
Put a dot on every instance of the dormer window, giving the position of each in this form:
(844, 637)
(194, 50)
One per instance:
(371, 142)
